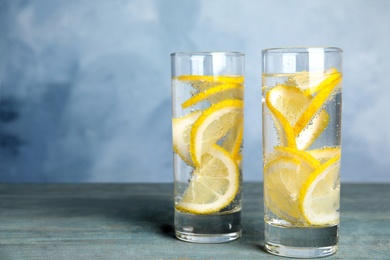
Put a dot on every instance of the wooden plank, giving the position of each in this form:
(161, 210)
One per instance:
(135, 221)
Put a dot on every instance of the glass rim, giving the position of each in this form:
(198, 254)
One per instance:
(208, 53)
(303, 49)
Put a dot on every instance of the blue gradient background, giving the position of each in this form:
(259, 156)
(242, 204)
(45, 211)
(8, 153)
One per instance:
(85, 85)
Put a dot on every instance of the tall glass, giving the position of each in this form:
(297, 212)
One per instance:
(301, 150)
(207, 128)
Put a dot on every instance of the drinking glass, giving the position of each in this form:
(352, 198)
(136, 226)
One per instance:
(207, 130)
(301, 99)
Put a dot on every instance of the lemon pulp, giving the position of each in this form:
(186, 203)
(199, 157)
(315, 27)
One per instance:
(213, 185)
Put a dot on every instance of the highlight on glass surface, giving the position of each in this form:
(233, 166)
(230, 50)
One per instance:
(301, 90)
(207, 130)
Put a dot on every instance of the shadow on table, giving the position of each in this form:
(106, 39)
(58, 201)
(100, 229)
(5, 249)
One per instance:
(253, 231)
(123, 209)
(152, 212)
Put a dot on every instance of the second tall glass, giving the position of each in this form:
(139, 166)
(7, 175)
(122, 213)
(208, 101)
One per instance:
(302, 150)
(207, 127)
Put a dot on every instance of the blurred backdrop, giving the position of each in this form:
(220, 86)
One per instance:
(85, 85)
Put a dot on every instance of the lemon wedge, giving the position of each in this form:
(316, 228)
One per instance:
(319, 198)
(213, 185)
(216, 94)
(181, 129)
(213, 124)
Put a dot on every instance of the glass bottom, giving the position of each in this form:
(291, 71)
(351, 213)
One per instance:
(299, 252)
(219, 228)
(301, 242)
(207, 238)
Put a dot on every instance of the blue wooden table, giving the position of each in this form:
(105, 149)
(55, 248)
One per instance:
(134, 221)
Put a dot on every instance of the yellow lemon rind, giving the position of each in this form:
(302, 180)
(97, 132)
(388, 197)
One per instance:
(302, 156)
(308, 188)
(238, 79)
(286, 126)
(326, 153)
(331, 75)
(233, 143)
(225, 87)
(313, 130)
(305, 79)
(329, 85)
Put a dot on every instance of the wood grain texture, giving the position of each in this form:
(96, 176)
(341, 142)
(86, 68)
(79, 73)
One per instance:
(135, 221)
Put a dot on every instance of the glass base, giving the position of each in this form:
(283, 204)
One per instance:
(301, 242)
(214, 228)
(207, 238)
(299, 252)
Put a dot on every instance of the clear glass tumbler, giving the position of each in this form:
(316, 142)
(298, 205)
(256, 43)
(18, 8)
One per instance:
(207, 129)
(302, 150)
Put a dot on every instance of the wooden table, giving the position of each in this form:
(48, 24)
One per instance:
(134, 221)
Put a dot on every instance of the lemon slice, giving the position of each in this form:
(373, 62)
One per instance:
(307, 81)
(204, 82)
(218, 79)
(239, 159)
(283, 178)
(311, 82)
(288, 100)
(288, 105)
(306, 160)
(319, 197)
(326, 88)
(232, 142)
(324, 154)
(285, 172)
(215, 94)
(212, 125)
(181, 129)
(313, 130)
(213, 185)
